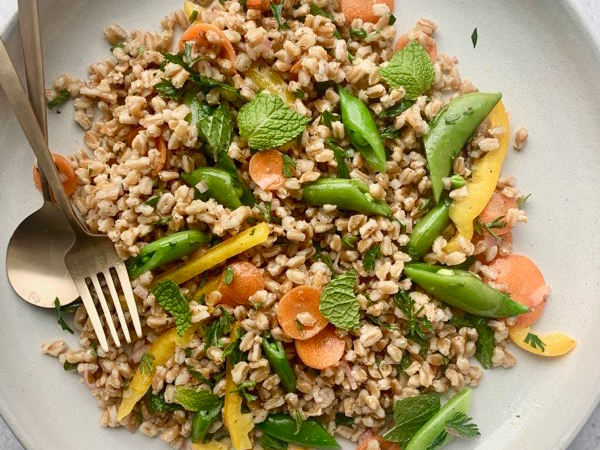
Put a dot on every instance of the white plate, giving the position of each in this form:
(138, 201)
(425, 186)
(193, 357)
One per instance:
(537, 53)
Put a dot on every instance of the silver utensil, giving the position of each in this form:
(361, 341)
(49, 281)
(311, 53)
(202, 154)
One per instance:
(90, 255)
(35, 254)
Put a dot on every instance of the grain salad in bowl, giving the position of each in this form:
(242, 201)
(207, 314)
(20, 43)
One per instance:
(313, 214)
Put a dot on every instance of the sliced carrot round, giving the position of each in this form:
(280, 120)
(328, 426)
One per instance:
(524, 282)
(301, 299)
(368, 436)
(263, 5)
(496, 209)
(353, 9)
(65, 172)
(323, 350)
(246, 281)
(431, 47)
(159, 163)
(266, 170)
(197, 33)
(491, 240)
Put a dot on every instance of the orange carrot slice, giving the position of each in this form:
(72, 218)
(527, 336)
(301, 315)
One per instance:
(246, 281)
(431, 48)
(266, 170)
(65, 172)
(159, 163)
(323, 350)
(525, 283)
(263, 5)
(491, 240)
(354, 9)
(301, 299)
(197, 33)
(368, 436)
(497, 207)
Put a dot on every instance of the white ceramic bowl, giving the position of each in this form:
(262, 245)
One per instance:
(537, 52)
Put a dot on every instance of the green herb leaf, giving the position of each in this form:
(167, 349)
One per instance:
(439, 440)
(270, 443)
(277, 13)
(411, 69)
(481, 227)
(193, 400)
(328, 117)
(217, 131)
(370, 258)
(193, 16)
(232, 351)
(348, 241)
(59, 317)
(396, 109)
(338, 301)
(474, 37)
(324, 257)
(228, 275)
(242, 389)
(317, 11)
(358, 33)
(169, 296)
(340, 157)
(299, 93)
(67, 366)
(392, 19)
(153, 201)
(289, 166)
(166, 89)
(266, 122)
(157, 404)
(218, 329)
(390, 133)
(60, 98)
(265, 211)
(147, 364)
(534, 341)
(351, 57)
(521, 200)
(410, 414)
(198, 376)
(484, 347)
(461, 425)
(343, 420)
(416, 326)
(163, 221)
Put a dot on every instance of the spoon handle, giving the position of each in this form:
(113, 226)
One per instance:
(34, 69)
(11, 84)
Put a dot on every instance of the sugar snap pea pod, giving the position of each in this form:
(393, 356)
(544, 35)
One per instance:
(428, 229)
(351, 194)
(202, 421)
(311, 433)
(450, 130)
(463, 290)
(362, 130)
(166, 250)
(221, 185)
(423, 438)
(273, 350)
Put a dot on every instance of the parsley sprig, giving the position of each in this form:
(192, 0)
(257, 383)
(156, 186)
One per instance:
(482, 227)
(534, 341)
(370, 258)
(416, 326)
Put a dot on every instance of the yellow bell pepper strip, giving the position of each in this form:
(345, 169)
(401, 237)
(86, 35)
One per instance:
(210, 286)
(190, 7)
(555, 344)
(269, 80)
(216, 255)
(482, 183)
(224, 444)
(161, 350)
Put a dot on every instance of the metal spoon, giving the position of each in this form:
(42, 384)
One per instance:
(35, 255)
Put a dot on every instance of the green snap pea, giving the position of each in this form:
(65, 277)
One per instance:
(351, 194)
(165, 250)
(450, 130)
(311, 433)
(423, 438)
(202, 421)
(362, 130)
(428, 229)
(222, 185)
(273, 350)
(463, 290)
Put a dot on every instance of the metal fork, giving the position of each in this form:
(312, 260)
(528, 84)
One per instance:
(90, 254)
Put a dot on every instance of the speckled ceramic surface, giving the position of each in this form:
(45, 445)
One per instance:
(541, 54)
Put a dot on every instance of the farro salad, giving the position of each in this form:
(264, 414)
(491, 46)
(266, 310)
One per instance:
(314, 219)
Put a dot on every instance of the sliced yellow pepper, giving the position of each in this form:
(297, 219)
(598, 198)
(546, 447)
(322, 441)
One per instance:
(555, 344)
(238, 424)
(210, 286)
(482, 183)
(162, 349)
(269, 80)
(225, 444)
(216, 255)
(190, 7)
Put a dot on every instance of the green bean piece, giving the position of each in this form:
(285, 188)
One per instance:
(279, 362)
(351, 194)
(362, 130)
(423, 438)
(202, 421)
(450, 130)
(311, 433)
(428, 229)
(221, 185)
(165, 250)
(463, 290)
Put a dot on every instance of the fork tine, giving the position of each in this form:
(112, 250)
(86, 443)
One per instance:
(117, 303)
(86, 297)
(105, 310)
(126, 286)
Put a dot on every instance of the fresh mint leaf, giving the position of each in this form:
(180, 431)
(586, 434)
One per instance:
(59, 317)
(157, 404)
(474, 37)
(218, 329)
(411, 69)
(534, 341)
(166, 89)
(277, 13)
(462, 426)
(340, 158)
(410, 414)
(193, 400)
(338, 301)
(169, 296)
(396, 109)
(217, 129)
(370, 258)
(60, 98)
(289, 166)
(266, 122)
(484, 347)
(147, 364)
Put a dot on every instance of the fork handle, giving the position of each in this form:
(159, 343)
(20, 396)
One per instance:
(11, 84)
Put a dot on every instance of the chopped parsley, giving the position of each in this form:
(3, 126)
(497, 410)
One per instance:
(416, 326)
(60, 98)
(521, 200)
(193, 16)
(481, 227)
(59, 318)
(228, 275)
(534, 341)
(277, 12)
(348, 241)
(358, 33)
(474, 37)
(370, 258)
(328, 118)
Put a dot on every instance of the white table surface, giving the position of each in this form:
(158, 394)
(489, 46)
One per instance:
(588, 438)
